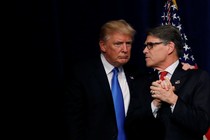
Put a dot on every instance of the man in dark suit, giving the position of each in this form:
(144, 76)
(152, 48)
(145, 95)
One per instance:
(89, 103)
(176, 107)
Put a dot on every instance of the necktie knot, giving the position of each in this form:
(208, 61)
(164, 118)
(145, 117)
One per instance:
(163, 74)
(115, 71)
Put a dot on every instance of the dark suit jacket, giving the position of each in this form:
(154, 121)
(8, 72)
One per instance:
(89, 106)
(191, 115)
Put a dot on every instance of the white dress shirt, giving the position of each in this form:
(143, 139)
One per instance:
(122, 81)
(170, 71)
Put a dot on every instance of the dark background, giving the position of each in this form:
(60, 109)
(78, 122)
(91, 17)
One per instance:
(53, 35)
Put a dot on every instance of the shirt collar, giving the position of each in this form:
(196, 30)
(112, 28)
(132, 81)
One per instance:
(172, 67)
(107, 66)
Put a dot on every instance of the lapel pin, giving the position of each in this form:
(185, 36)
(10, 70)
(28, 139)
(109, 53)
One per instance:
(177, 82)
(131, 77)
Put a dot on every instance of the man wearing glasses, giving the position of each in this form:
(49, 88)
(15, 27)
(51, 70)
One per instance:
(175, 107)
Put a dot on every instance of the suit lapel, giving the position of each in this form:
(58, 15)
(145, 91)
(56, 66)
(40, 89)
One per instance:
(179, 77)
(102, 78)
(100, 74)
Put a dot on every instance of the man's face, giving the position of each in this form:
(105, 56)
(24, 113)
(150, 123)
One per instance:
(156, 53)
(117, 49)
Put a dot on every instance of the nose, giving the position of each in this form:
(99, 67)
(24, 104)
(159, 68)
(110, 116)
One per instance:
(125, 47)
(145, 50)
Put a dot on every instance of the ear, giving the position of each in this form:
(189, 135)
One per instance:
(102, 46)
(171, 47)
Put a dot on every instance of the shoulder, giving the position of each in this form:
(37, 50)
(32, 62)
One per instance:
(87, 64)
(194, 72)
(198, 72)
(199, 75)
(135, 71)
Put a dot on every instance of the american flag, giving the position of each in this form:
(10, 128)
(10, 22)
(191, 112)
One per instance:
(171, 16)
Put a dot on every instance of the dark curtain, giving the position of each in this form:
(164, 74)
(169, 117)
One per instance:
(53, 35)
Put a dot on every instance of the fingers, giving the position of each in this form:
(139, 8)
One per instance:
(154, 92)
(186, 66)
(159, 84)
(162, 90)
(156, 83)
(156, 96)
(166, 84)
(173, 88)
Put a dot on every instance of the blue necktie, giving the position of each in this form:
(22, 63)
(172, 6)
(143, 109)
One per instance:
(118, 105)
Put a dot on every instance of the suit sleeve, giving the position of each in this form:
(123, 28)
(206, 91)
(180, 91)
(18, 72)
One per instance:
(192, 110)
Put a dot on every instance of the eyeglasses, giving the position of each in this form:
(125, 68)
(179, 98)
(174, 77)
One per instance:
(150, 45)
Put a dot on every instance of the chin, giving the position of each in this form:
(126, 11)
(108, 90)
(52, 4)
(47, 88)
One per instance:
(123, 62)
(148, 65)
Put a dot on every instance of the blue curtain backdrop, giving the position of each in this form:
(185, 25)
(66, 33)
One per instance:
(56, 34)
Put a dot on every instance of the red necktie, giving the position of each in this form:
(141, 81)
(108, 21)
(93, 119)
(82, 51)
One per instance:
(163, 74)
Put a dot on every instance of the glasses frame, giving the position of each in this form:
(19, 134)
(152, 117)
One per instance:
(150, 45)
